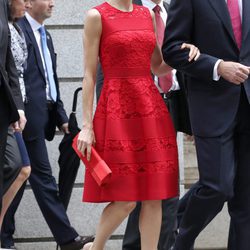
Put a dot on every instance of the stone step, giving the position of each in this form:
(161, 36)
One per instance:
(111, 245)
(33, 231)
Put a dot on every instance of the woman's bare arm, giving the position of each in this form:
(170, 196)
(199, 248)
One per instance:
(91, 42)
(158, 66)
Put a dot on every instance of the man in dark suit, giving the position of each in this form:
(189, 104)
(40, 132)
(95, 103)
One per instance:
(11, 104)
(218, 90)
(45, 111)
(177, 105)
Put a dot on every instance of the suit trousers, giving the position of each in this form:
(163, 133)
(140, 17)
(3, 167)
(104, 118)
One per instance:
(239, 205)
(46, 193)
(224, 171)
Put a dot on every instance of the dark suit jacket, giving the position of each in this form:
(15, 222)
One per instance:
(8, 74)
(177, 103)
(38, 117)
(212, 105)
(178, 106)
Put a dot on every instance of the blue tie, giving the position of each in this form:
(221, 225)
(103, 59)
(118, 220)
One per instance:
(48, 64)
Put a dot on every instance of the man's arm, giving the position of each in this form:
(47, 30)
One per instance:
(62, 118)
(178, 31)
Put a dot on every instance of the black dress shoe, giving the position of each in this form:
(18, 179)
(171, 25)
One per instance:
(78, 243)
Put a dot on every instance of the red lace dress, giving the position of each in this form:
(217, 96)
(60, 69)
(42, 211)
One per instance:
(133, 129)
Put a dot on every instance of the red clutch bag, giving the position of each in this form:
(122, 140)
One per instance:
(97, 166)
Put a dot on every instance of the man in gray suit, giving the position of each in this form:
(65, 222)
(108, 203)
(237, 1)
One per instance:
(11, 104)
(177, 105)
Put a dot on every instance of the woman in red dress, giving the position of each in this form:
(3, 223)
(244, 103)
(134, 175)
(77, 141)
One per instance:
(132, 129)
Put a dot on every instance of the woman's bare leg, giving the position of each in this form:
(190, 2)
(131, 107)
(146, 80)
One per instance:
(150, 224)
(112, 216)
(12, 191)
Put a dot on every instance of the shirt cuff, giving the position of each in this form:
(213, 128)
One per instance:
(175, 86)
(21, 112)
(216, 76)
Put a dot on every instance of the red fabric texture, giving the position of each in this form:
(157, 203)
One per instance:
(133, 129)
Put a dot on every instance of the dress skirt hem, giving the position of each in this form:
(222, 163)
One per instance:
(151, 188)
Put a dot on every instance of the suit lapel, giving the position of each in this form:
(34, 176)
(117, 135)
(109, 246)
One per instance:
(166, 6)
(245, 20)
(32, 38)
(51, 49)
(220, 7)
(53, 57)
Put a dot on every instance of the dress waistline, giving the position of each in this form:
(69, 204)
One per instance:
(127, 72)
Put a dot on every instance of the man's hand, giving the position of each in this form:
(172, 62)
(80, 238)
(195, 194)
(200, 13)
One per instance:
(65, 128)
(233, 72)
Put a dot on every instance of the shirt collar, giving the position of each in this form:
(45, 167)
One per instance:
(33, 23)
(150, 4)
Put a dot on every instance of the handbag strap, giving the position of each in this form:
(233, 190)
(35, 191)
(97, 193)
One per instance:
(75, 99)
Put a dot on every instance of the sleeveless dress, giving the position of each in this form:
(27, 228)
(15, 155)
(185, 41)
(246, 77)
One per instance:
(133, 129)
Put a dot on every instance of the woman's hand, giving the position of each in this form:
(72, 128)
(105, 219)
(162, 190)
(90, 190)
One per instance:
(85, 140)
(194, 52)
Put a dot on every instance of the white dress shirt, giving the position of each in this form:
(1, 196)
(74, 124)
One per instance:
(216, 76)
(150, 5)
(35, 27)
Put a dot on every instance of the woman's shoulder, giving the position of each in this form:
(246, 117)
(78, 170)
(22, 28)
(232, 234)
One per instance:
(96, 11)
(140, 7)
(142, 10)
(93, 16)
